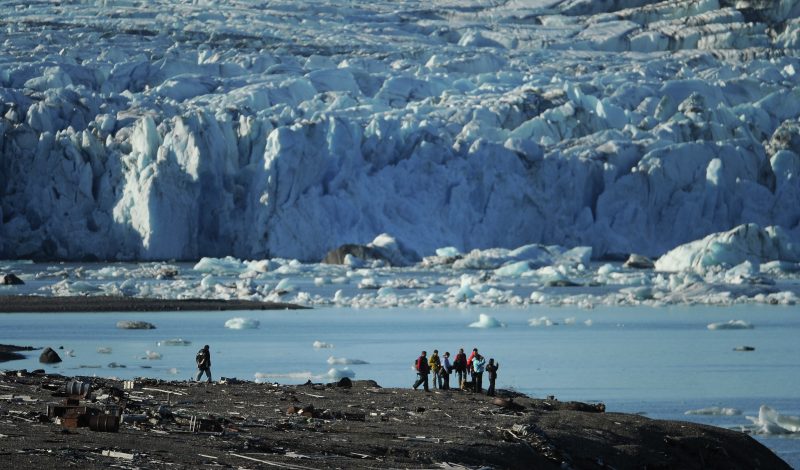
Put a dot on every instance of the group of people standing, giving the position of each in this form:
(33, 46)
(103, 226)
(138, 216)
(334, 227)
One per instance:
(473, 367)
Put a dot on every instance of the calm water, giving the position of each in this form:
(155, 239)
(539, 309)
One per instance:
(661, 362)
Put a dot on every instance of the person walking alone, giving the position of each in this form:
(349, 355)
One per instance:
(491, 369)
(203, 359)
(422, 371)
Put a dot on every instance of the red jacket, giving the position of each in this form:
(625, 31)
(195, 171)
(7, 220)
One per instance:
(422, 365)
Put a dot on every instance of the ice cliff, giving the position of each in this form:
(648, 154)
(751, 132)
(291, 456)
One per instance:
(182, 129)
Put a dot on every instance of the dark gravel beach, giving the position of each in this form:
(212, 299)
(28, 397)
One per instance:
(236, 424)
(31, 304)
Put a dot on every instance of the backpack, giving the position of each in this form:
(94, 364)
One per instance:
(200, 357)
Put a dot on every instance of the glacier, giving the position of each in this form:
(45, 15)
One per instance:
(177, 130)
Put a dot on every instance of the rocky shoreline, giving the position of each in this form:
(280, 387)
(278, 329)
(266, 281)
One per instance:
(40, 304)
(233, 424)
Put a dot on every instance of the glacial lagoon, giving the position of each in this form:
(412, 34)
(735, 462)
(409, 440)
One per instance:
(663, 362)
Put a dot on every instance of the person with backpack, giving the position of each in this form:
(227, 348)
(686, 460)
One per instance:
(203, 359)
(491, 369)
(460, 366)
(423, 369)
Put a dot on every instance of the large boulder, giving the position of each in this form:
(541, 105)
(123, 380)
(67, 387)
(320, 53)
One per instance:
(49, 356)
(361, 252)
(135, 325)
(11, 280)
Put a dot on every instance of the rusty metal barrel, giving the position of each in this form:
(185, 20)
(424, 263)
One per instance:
(75, 387)
(104, 423)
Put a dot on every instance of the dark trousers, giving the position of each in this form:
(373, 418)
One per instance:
(445, 380)
(421, 379)
(204, 370)
(490, 392)
(478, 378)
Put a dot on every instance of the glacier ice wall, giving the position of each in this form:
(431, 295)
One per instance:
(181, 129)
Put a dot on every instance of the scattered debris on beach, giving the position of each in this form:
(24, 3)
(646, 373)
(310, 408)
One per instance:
(52, 420)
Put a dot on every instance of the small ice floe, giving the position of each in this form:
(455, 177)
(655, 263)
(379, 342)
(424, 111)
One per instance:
(240, 323)
(151, 355)
(283, 375)
(322, 345)
(284, 287)
(336, 374)
(541, 321)
(135, 325)
(174, 371)
(588, 322)
(744, 348)
(344, 361)
(769, 421)
(487, 321)
(70, 352)
(570, 321)
(104, 350)
(715, 411)
(174, 342)
(115, 365)
(730, 325)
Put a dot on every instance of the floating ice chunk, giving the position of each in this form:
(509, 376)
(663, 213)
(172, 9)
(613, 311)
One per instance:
(715, 411)
(336, 374)
(570, 321)
(70, 352)
(487, 321)
(151, 355)
(173, 371)
(744, 243)
(344, 361)
(135, 325)
(588, 322)
(227, 265)
(240, 323)
(284, 286)
(448, 252)
(541, 321)
(174, 342)
(731, 325)
(368, 283)
(284, 375)
(115, 365)
(513, 269)
(322, 345)
(104, 350)
(769, 421)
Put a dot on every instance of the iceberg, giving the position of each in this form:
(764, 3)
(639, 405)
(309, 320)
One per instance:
(734, 247)
(344, 361)
(731, 325)
(715, 411)
(240, 323)
(322, 345)
(486, 321)
(769, 421)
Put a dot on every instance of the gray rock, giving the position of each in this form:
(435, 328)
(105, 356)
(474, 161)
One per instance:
(135, 325)
(362, 252)
(11, 280)
(49, 356)
(639, 262)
